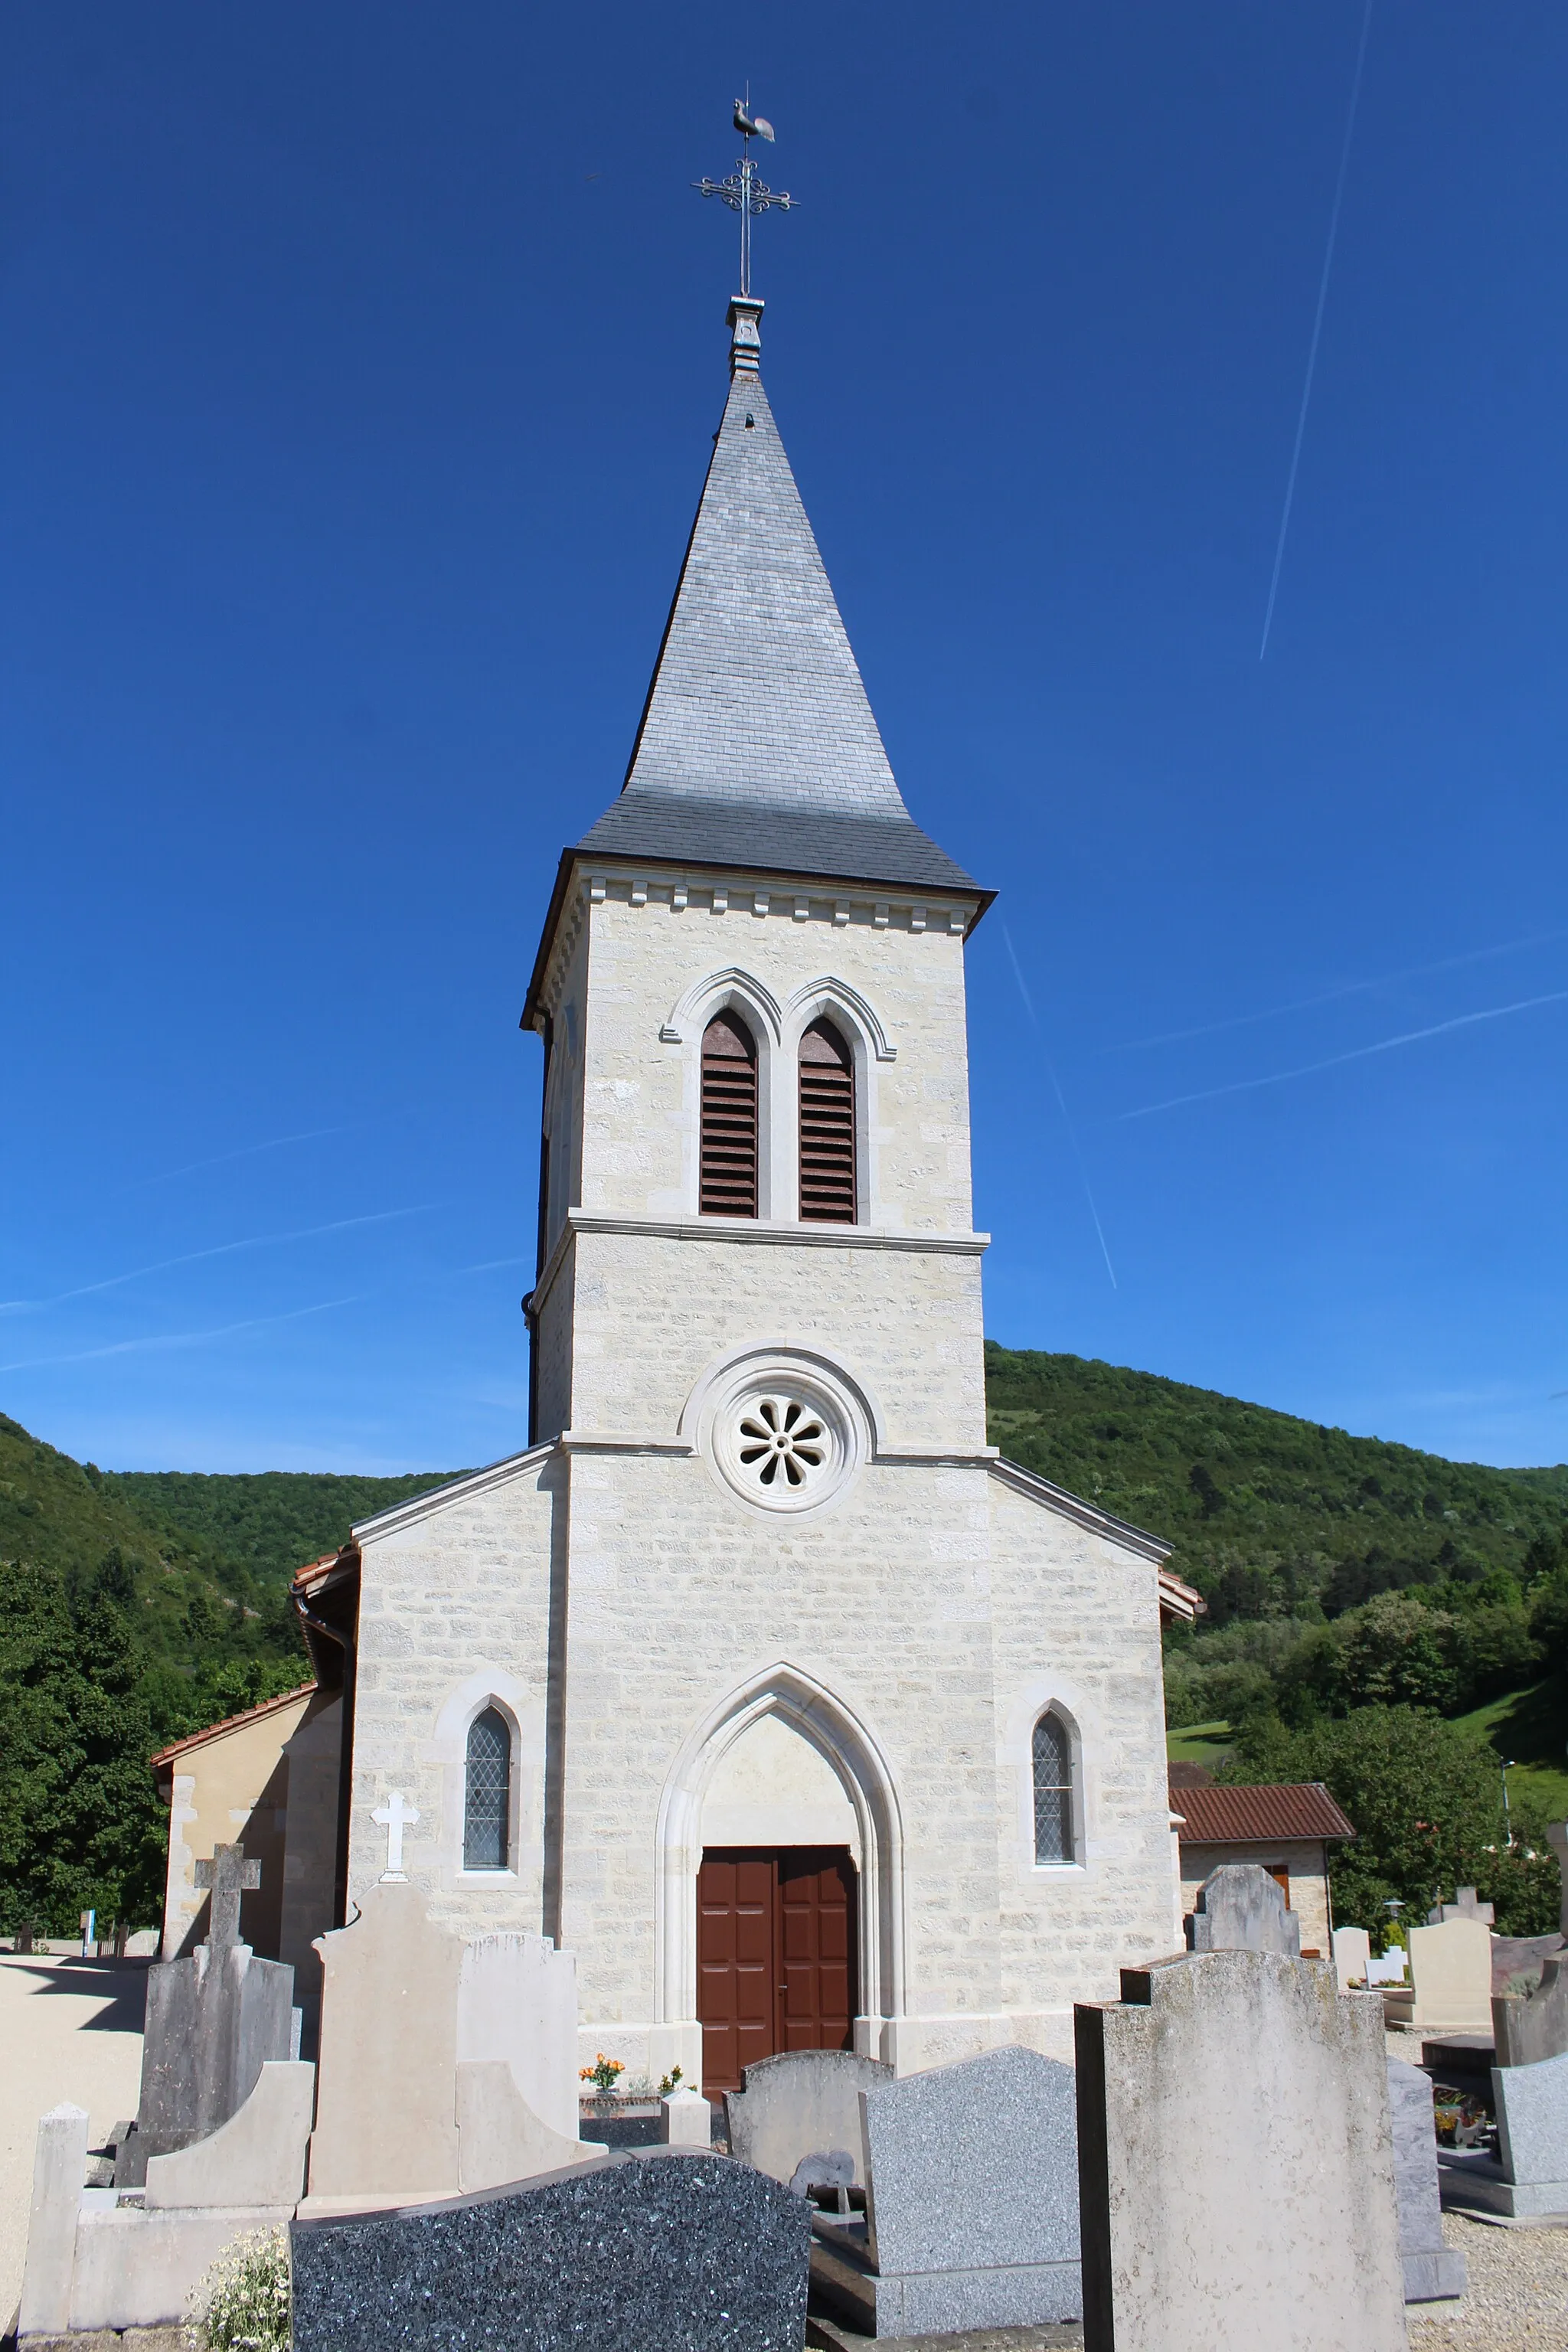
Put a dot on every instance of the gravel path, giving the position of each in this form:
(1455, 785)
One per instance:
(69, 2029)
(1517, 2300)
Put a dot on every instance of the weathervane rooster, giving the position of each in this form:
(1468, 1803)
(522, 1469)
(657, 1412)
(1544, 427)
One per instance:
(743, 192)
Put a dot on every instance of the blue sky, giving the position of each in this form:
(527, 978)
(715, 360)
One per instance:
(361, 365)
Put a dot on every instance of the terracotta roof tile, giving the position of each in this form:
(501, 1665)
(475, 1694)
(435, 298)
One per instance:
(231, 1722)
(1302, 1809)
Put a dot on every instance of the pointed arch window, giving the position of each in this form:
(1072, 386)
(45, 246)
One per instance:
(1053, 1789)
(826, 1126)
(728, 1181)
(487, 1800)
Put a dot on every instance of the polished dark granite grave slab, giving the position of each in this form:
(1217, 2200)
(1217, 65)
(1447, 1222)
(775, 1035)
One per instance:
(688, 2253)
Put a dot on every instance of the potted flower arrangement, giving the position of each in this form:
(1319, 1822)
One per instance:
(603, 2073)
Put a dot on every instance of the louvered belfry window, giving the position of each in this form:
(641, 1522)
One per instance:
(826, 1127)
(729, 1173)
(488, 1796)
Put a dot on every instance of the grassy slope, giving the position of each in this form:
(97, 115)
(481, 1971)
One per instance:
(1530, 1727)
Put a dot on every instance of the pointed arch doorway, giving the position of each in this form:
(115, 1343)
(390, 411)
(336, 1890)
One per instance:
(777, 1958)
(726, 1801)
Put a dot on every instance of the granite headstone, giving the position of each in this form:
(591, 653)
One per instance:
(213, 2020)
(1432, 2270)
(1532, 2131)
(682, 2251)
(972, 2201)
(1530, 2027)
(804, 2103)
(1240, 1908)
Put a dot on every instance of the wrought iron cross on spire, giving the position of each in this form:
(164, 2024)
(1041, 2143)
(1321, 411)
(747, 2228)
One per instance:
(744, 191)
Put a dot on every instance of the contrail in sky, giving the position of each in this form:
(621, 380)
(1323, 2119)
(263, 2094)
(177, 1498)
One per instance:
(1329, 995)
(176, 1339)
(1061, 1103)
(224, 1249)
(246, 1151)
(1316, 326)
(1384, 1045)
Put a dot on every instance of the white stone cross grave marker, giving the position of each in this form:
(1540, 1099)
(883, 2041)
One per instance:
(396, 1816)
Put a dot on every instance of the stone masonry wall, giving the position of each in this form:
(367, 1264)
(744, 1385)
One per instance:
(455, 1613)
(939, 1608)
(652, 1314)
(640, 1111)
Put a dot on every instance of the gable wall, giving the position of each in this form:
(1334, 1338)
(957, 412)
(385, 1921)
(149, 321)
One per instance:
(454, 1614)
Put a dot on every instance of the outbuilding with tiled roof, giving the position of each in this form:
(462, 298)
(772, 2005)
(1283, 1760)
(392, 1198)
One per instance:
(1287, 1826)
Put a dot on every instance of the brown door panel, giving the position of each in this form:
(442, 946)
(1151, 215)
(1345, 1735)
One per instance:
(777, 1956)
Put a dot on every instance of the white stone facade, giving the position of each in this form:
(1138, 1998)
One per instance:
(680, 1661)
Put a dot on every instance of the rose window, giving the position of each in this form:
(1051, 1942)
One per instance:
(784, 1431)
(782, 1441)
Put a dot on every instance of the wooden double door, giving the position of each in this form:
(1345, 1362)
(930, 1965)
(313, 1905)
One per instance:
(777, 1964)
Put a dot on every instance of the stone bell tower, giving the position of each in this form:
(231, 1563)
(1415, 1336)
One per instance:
(760, 894)
(758, 1679)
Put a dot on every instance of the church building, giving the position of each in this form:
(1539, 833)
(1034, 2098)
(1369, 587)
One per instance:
(759, 1679)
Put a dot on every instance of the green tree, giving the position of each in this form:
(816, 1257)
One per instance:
(1549, 1617)
(80, 1821)
(1521, 1880)
(1394, 1652)
(1426, 1800)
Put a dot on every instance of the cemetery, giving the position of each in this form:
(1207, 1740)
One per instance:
(435, 2173)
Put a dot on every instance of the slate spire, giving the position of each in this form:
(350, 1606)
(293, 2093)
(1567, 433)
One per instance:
(757, 744)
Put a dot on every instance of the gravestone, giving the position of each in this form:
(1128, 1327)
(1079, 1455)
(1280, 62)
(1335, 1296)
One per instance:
(805, 2103)
(516, 2000)
(1533, 2132)
(1241, 1908)
(213, 2020)
(1463, 1906)
(1528, 2177)
(684, 2252)
(971, 2202)
(1518, 1960)
(444, 2065)
(1451, 1976)
(1431, 2269)
(1352, 1956)
(1236, 2163)
(1527, 2028)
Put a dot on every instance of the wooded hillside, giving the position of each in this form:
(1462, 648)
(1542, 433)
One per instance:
(1340, 1573)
